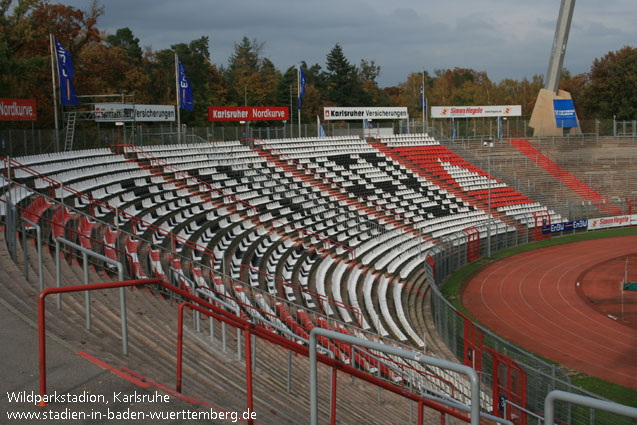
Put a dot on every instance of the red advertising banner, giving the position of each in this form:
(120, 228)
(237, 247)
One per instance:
(18, 110)
(248, 113)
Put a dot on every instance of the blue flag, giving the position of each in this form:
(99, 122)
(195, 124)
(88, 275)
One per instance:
(453, 128)
(65, 73)
(422, 96)
(185, 89)
(301, 88)
(499, 127)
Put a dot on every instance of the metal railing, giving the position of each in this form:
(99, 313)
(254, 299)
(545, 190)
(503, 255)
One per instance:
(259, 330)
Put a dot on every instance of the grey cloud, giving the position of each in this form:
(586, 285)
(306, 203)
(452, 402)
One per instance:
(509, 39)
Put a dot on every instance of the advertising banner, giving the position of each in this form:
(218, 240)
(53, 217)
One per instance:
(113, 112)
(351, 113)
(608, 222)
(145, 113)
(564, 113)
(565, 226)
(248, 113)
(476, 111)
(18, 110)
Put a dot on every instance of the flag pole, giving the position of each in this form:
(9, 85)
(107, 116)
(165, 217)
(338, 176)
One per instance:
(177, 94)
(427, 113)
(422, 101)
(55, 102)
(298, 93)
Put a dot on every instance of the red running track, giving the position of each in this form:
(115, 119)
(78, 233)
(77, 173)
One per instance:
(532, 300)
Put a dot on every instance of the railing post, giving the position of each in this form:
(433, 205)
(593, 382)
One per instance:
(247, 336)
(239, 345)
(289, 375)
(42, 344)
(24, 250)
(333, 398)
(38, 231)
(254, 352)
(211, 322)
(58, 279)
(180, 341)
(411, 403)
(87, 294)
(122, 306)
(223, 336)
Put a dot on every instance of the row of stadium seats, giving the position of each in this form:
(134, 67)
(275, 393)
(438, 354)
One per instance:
(448, 167)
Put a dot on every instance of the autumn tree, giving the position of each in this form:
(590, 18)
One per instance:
(25, 59)
(613, 85)
(251, 79)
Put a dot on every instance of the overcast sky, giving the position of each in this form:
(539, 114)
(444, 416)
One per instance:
(505, 38)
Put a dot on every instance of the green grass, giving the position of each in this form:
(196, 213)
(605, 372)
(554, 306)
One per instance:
(453, 286)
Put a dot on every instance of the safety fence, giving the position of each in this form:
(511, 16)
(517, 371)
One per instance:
(32, 141)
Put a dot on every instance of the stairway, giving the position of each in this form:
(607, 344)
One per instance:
(563, 175)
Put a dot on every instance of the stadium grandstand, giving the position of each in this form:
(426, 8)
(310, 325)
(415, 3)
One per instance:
(241, 264)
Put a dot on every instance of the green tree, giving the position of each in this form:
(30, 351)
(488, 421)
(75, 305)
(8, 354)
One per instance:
(208, 85)
(368, 70)
(613, 85)
(124, 39)
(344, 87)
(250, 78)
(286, 89)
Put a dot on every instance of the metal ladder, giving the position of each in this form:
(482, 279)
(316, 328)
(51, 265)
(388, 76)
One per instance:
(70, 131)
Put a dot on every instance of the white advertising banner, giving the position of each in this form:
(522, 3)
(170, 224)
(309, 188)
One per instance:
(608, 222)
(155, 113)
(476, 111)
(113, 112)
(353, 113)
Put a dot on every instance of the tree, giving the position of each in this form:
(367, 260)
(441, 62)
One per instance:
(344, 87)
(124, 39)
(369, 71)
(613, 85)
(577, 86)
(286, 88)
(25, 61)
(247, 83)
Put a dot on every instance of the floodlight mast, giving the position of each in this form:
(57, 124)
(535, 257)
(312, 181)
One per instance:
(558, 51)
